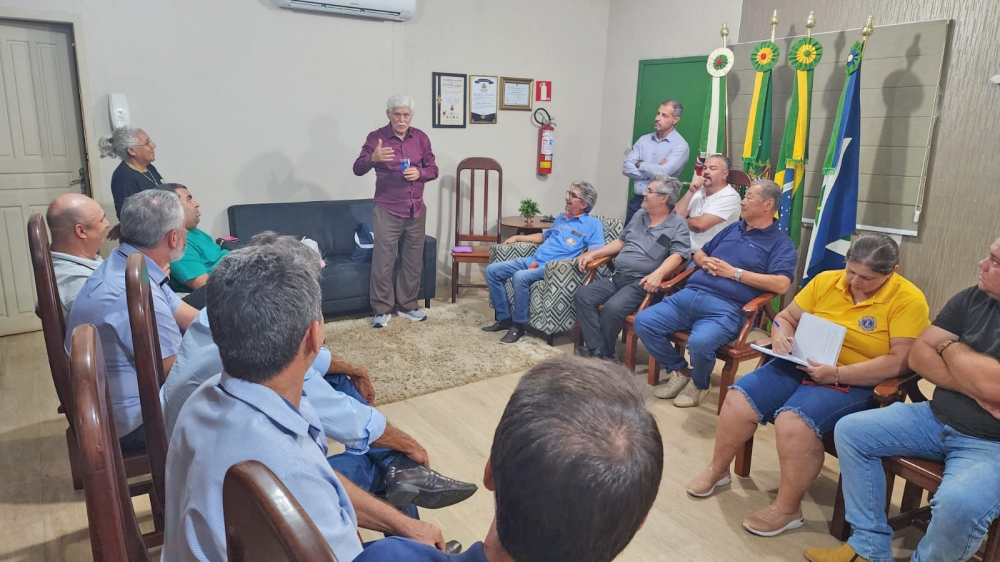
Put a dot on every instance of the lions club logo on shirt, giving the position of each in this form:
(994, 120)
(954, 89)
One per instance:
(571, 241)
(868, 323)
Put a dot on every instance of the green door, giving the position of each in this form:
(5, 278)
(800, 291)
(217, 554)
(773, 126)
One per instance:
(683, 79)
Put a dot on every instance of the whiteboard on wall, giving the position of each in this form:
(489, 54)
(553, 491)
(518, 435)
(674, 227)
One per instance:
(900, 85)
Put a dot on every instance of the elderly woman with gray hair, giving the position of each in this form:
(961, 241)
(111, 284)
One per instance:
(136, 172)
(569, 235)
(653, 244)
(403, 161)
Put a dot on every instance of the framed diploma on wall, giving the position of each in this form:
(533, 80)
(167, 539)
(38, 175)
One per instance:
(516, 93)
(482, 99)
(448, 96)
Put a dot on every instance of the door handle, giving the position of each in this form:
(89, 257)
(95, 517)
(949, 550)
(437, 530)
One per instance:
(81, 181)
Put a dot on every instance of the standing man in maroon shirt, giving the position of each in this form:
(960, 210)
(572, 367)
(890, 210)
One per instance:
(403, 162)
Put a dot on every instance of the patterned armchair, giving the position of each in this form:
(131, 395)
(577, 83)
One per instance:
(551, 310)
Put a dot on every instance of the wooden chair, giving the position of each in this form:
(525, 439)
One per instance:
(758, 313)
(114, 529)
(54, 331)
(264, 522)
(920, 475)
(479, 254)
(740, 181)
(629, 337)
(148, 367)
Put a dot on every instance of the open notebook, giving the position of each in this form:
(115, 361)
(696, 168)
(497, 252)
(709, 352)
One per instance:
(816, 339)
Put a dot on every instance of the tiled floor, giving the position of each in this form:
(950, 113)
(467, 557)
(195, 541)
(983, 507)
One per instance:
(42, 518)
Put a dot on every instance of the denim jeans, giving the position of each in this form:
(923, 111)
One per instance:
(712, 321)
(522, 278)
(621, 295)
(366, 471)
(962, 509)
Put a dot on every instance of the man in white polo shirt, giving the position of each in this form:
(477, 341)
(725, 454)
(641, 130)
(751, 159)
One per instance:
(710, 204)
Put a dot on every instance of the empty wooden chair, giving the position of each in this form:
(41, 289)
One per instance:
(478, 253)
(264, 522)
(54, 331)
(148, 366)
(114, 530)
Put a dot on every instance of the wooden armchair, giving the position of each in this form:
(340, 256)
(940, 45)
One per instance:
(148, 367)
(758, 313)
(114, 529)
(740, 181)
(264, 522)
(479, 254)
(629, 337)
(54, 331)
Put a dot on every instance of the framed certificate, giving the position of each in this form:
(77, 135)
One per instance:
(516, 93)
(448, 95)
(482, 99)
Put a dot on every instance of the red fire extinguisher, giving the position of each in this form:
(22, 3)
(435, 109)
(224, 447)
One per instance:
(546, 141)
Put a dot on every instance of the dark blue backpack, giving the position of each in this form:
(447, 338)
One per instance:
(364, 241)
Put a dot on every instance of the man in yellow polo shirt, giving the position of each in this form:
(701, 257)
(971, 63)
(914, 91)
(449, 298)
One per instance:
(190, 273)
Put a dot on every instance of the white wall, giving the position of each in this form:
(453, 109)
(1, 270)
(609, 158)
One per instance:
(248, 102)
(648, 29)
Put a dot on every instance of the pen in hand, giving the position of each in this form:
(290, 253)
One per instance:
(778, 326)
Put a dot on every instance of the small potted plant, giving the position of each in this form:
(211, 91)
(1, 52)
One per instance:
(528, 209)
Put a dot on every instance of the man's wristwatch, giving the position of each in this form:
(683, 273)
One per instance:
(738, 275)
(943, 345)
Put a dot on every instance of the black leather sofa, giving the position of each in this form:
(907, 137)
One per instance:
(331, 224)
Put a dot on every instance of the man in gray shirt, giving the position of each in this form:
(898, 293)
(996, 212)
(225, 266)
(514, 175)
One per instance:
(664, 151)
(652, 245)
(77, 224)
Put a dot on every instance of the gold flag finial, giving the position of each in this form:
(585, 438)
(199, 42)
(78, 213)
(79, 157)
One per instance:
(774, 24)
(810, 24)
(866, 32)
(724, 33)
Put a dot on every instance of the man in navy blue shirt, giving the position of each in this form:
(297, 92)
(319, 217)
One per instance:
(567, 238)
(575, 466)
(743, 261)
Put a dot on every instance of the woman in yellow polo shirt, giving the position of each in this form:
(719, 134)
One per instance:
(883, 314)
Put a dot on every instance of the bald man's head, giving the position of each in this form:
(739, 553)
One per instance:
(77, 224)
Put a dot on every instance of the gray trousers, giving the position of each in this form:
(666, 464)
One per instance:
(621, 295)
(393, 235)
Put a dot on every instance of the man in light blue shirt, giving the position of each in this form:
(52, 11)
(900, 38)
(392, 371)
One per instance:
(567, 238)
(373, 446)
(664, 151)
(152, 223)
(575, 465)
(264, 306)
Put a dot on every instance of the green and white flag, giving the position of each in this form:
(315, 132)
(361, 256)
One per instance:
(713, 130)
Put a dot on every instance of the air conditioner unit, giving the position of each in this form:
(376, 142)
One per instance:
(395, 10)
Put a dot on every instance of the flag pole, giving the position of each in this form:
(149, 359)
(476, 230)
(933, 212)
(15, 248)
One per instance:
(810, 23)
(866, 32)
(724, 32)
(774, 24)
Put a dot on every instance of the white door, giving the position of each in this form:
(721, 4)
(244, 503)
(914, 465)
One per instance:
(41, 150)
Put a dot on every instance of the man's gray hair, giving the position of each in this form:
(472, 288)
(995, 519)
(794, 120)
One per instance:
(768, 190)
(117, 145)
(150, 215)
(587, 193)
(261, 300)
(678, 108)
(729, 163)
(667, 185)
(400, 100)
(307, 257)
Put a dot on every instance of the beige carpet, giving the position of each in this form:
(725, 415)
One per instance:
(407, 359)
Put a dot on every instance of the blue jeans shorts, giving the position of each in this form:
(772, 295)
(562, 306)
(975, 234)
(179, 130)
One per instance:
(777, 387)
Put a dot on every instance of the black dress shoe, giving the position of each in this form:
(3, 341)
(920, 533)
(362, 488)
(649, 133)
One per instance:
(406, 484)
(452, 547)
(512, 335)
(498, 326)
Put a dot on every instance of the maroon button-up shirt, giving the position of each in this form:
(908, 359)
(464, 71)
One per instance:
(392, 191)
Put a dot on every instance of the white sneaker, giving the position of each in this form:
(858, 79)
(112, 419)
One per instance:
(691, 396)
(380, 320)
(674, 385)
(415, 315)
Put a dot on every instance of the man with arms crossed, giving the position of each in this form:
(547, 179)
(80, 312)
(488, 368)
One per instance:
(664, 151)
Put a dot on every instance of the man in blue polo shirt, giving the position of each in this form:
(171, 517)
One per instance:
(744, 260)
(569, 235)
(152, 223)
